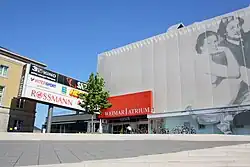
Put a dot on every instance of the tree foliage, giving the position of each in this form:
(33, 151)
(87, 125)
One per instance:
(96, 97)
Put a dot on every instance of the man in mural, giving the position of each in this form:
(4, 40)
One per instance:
(238, 41)
(231, 53)
(233, 36)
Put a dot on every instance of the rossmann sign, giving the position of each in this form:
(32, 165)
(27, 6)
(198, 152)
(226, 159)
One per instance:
(49, 87)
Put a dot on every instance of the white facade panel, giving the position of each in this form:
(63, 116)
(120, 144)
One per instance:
(147, 63)
(159, 78)
(173, 74)
(187, 67)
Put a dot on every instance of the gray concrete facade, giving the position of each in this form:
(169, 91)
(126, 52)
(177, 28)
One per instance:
(4, 119)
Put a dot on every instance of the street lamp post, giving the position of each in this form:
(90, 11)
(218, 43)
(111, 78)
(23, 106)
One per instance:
(96, 112)
(100, 126)
(92, 120)
(97, 109)
(92, 123)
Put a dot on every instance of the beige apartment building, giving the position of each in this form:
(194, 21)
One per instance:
(14, 112)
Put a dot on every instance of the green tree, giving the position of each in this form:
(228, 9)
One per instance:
(96, 97)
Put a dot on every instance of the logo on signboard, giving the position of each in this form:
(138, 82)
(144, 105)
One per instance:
(71, 82)
(43, 73)
(74, 93)
(64, 90)
(42, 82)
(81, 85)
(51, 98)
(34, 68)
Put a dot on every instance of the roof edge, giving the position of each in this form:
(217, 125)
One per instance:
(149, 40)
(16, 56)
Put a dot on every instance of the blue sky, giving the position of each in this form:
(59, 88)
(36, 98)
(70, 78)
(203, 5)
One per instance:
(68, 35)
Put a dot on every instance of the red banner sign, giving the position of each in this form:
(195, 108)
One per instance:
(135, 104)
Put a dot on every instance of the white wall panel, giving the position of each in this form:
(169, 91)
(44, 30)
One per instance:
(187, 68)
(147, 66)
(159, 64)
(173, 74)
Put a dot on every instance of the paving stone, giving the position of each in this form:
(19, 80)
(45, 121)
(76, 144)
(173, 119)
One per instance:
(56, 152)
(48, 160)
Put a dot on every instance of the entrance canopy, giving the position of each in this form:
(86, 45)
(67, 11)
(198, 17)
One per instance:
(199, 111)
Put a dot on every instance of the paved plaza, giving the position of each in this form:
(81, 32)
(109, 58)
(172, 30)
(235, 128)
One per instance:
(24, 153)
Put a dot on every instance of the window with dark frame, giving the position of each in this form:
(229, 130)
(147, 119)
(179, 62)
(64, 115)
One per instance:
(18, 125)
(202, 126)
(20, 103)
(4, 70)
(1, 94)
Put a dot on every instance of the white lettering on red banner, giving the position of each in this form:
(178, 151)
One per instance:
(44, 96)
(127, 112)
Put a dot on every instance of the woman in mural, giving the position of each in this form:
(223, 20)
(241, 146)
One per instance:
(224, 70)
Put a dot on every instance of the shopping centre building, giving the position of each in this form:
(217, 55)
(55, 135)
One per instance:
(191, 79)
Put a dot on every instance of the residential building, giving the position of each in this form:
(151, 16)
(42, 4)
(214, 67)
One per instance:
(14, 112)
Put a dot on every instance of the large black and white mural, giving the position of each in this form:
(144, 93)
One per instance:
(205, 65)
(227, 51)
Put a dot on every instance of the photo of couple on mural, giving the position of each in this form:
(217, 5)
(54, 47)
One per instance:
(228, 54)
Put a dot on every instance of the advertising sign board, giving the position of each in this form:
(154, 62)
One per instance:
(135, 104)
(49, 87)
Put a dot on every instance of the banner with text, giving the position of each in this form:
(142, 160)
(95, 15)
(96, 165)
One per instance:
(46, 86)
(135, 104)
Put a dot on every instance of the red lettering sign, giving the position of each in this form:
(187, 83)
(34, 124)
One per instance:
(47, 97)
(135, 104)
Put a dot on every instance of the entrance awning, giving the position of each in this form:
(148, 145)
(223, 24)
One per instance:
(62, 123)
(199, 111)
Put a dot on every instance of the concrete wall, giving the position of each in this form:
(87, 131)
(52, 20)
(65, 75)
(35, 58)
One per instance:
(4, 118)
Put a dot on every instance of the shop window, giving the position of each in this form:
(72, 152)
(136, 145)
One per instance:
(202, 126)
(239, 126)
(18, 125)
(3, 70)
(20, 103)
(187, 124)
(1, 94)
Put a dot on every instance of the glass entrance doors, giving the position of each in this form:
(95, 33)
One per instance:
(120, 129)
